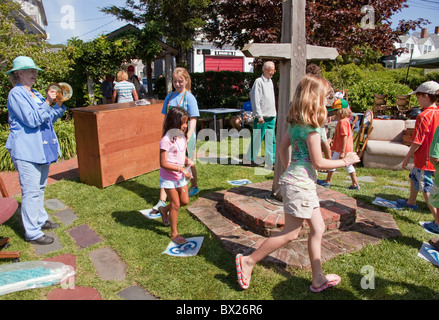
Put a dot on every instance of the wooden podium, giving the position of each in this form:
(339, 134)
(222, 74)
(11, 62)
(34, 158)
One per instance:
(116, 142)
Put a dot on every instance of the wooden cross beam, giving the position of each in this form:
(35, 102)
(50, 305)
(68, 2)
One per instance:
(281, 51)
(292, 52)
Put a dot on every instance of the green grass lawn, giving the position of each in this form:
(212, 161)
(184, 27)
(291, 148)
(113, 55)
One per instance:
(113, 214)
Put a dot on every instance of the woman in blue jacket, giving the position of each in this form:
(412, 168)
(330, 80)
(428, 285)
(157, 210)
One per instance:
(32, 144)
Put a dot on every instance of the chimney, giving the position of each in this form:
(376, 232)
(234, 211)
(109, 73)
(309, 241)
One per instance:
(423, 32)
(436, 30)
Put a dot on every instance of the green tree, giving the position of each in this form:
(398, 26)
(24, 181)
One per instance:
(177, 21)
(92, 60)
(14, 43)
(328, 23)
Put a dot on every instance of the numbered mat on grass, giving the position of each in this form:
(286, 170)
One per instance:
(239, 182)
(422, 224)
(188, 249)
(386, 203)
(429, 253)
(150, 213)
(32, 274)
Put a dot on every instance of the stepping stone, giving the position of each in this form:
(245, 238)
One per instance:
(397, 188)
(402, 183)
(84, 236)
(360, 179)
(66, 216)
(54, 204)
(136, 293)
(78, 293)
(46, 248)
(68, 259)
(108, 264)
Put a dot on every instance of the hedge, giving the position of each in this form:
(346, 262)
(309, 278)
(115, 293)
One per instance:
(225, 89)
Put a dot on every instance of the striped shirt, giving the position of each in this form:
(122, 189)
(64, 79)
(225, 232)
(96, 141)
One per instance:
(124, 91)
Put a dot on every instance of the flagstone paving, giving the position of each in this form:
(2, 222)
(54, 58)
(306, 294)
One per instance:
(369, 227)
(84, 236)
(136, 293)
(107, 263)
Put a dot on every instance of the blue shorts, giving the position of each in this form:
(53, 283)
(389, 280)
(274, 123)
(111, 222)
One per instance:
(170, 184)
(422, 179)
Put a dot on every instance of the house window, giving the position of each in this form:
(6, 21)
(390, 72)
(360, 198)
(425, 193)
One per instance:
(427, 48)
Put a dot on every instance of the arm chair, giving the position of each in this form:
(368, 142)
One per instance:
(402, 103)
(8, 206)
(380, 104)
(361, 137)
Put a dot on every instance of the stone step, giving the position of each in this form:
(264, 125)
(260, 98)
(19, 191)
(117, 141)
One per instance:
(257, 210)
(370, 227)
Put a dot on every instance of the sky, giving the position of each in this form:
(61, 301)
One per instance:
(82, 18)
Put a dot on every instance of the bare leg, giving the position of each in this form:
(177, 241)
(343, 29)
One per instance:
(289, 233)
(317, 228)
(413, 194)
(354, 178)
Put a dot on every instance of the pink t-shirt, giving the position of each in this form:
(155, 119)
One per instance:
(176, 148)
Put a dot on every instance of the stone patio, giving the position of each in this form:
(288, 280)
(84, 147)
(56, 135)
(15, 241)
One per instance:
(242, 217)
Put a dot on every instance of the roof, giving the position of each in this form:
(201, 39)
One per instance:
(429, 60)
(130, 27)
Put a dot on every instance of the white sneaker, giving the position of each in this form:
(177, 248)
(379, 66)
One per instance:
(159, 204)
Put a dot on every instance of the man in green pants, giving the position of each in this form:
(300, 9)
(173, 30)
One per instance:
(264, 110)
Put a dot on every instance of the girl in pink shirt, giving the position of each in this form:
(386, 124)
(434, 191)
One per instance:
(173, 174)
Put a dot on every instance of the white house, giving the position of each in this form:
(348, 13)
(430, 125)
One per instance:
(416, 44)
(205, 56)
(31, 17)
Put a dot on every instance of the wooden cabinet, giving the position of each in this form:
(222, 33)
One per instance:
(116, 142)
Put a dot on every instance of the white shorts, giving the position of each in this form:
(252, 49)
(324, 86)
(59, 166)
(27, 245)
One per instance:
(335, 156)
(298, 202)
(171, 184)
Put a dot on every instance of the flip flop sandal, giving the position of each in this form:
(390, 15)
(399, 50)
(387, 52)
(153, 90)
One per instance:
(434, 242)
(333, 280)
(179, 240)
(242, 280)
(165, 221)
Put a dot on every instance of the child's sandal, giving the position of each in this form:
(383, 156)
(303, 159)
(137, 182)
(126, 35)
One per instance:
(165, 218)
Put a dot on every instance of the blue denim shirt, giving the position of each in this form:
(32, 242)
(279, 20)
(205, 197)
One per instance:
(26, 119)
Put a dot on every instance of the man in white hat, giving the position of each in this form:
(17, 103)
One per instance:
(421, 176)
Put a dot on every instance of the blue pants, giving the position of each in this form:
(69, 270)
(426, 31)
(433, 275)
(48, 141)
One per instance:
(33, 179)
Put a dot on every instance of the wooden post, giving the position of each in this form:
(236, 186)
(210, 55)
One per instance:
(291, 71)
(293, 53)
(168, 73)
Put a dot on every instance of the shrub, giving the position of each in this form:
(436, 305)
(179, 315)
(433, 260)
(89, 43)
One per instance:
(65, 130)
(218, 89)
(361, 93)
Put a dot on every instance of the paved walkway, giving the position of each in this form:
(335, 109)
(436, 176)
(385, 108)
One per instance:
(63, 169)
(105, 260)
(241, 218)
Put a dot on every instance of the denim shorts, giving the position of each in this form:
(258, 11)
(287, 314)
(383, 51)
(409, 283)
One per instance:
(422, 179)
